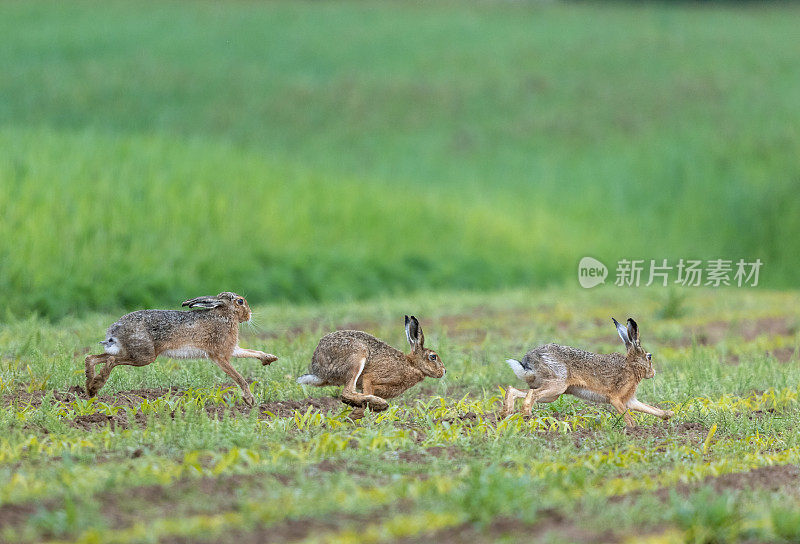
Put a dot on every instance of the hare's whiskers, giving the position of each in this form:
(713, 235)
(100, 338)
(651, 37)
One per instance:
(254, 324)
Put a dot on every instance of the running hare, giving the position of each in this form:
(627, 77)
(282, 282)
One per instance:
(355, 358)
(553, 370)
(210, 331)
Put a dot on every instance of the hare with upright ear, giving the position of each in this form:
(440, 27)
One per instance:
(357, 359)
(210, 330)
(553, 370)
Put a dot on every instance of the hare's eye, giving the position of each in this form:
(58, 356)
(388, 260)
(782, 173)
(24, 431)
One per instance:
(649, 356)
(239, 301)
(432, 356)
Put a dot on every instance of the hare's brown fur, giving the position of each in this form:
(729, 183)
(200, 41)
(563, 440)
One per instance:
(552, 370)
(210, 330)
(356, 359)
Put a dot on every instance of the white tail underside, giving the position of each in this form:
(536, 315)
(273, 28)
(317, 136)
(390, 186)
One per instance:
(518, 369)
(310, 379)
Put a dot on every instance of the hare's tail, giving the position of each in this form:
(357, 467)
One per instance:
(310, 379)
(520, 369)
(111, 345)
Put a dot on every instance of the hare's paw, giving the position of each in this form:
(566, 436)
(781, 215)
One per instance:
(268, 358)
(355, 403)
(506, 410)
(668, 414)
(94, 385)
(377, 404)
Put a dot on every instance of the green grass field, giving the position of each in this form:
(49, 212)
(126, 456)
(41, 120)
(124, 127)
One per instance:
(344, 163)
(301, 151)
(168, 453)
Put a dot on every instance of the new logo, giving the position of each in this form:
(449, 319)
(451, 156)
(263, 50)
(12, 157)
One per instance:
(591, 272)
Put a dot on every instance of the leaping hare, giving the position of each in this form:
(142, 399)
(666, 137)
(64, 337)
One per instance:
(210, 330)
(355, 358)
(553, 370)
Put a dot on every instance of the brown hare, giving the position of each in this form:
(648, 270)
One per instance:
(355, 358)
(553, 370)
(210, 330)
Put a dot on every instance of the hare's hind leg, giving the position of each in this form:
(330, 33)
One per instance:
(548, 392)
(639, 406)
(91, 362)
(512, 394)
(138, 351)
(99, 380)
(350, 396)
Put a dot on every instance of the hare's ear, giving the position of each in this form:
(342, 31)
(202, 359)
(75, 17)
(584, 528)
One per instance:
(409, 335)
(623, 333)
(414, 332)
(203, 302)
(420, 336)
(633, 331)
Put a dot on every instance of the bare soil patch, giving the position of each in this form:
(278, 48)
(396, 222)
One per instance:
(784, 354)
(691, 430)
(94, 421)
(167, 500)
(286, 408)
(772, 478)
(127, 399)
(469, 417)
(449, 452)
(757, 414)
(290, 530)
(714, 332)
(514, 530)
(135, 397)
(14, 515)
(328, 466)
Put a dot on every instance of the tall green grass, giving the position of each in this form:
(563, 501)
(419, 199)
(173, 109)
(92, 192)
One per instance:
(306, 151)
(131, 221)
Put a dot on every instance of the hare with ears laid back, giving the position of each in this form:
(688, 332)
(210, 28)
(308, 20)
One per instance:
(553, 370)
(210, 330)
(355, 358)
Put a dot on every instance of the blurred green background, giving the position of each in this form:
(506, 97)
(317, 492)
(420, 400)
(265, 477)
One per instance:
(316, 151)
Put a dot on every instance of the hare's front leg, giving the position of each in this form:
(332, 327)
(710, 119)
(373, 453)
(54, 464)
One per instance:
(265, 358)
(370, 390)
(228, 369)
(351, 396)
(639, 406)
(623, 410)
(375, 392)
